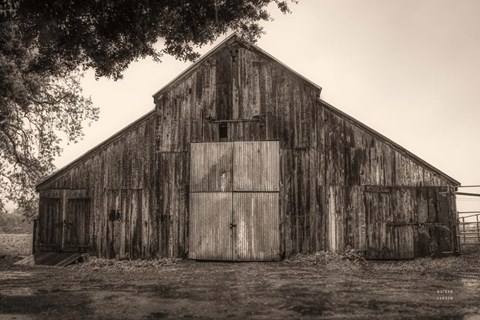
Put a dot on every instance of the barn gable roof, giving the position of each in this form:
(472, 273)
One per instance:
(225, 43)
(389, 142)
(95, 149)
(233, 38)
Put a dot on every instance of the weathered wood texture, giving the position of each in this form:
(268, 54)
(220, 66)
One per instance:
(211, 167)
(77, 224)
(256, 166)
(118, 179)
(391, 222)
(327, 162)
(240, 222)
(257, 226)
(210, 226)
(50, 224)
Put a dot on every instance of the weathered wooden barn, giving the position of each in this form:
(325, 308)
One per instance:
(242, 160)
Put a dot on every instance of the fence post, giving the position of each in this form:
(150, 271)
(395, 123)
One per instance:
(34, 236)
(478, 229)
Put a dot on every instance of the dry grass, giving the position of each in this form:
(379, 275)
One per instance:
(351, 260)
(15, 244)
(453, 264)
(96, 264)
(348, 260)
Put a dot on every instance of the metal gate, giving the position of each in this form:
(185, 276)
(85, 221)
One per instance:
(234, 201)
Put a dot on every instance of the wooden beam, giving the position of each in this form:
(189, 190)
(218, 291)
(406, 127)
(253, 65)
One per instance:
(467, 194)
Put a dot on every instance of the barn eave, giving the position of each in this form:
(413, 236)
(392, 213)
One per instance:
(390, 142)
(93, 150)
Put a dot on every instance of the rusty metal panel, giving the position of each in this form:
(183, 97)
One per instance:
(210, 226)
(256, 217)
(211, 167)
(256, 166)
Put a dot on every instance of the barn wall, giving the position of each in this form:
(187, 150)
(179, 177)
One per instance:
(327, 160)
(356, 161)
(139, 182)
(119, 179)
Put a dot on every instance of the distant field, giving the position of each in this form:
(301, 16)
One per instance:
(15, 244)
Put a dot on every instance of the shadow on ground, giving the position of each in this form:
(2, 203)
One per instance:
(204, 290)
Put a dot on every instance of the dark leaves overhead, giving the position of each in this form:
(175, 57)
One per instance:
(44, 45)
(108, 34)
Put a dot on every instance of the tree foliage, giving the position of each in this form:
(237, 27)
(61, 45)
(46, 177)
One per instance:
(35, 107)
(44, 46)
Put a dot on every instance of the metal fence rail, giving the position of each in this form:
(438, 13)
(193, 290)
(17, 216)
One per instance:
(469, 228)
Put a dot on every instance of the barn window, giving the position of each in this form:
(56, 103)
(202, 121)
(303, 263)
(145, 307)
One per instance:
(223, 131)
(114, 215)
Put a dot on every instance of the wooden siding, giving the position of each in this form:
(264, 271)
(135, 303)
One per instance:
(172, 203)
(210, 226)
(77, 234)
(211, 169)
(327, 161)
(118, 178)
(256, 226)
(50, 224)
(256, 166)
(239, 223)
(391, 222)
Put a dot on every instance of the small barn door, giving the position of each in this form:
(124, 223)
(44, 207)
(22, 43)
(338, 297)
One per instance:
(234, 201)
(77, 222)
(389, 224)
(50, 224)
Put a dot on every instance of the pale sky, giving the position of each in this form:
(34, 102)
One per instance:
(409, 69)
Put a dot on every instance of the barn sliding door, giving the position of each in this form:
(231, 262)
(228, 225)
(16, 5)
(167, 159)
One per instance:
(77, 225)
(389, 223)
(255, 200)
(234, 201)
(50, 224)
(210, 235)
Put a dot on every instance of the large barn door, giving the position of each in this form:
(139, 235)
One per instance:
(50, 224)
(234, 201)
(77, 222)
(210, 236)
(255, 201)
(389, 224)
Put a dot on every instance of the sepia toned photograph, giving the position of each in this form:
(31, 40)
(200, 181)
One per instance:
(239, 159)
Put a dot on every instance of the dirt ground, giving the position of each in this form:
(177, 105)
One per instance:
(310, 288)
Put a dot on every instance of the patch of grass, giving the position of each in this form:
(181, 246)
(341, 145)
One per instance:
(352, 260)
(95, 264)
(15, 244)
(347, 260)
(453, 264)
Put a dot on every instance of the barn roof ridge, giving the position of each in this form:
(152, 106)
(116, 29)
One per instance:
(234, 37)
